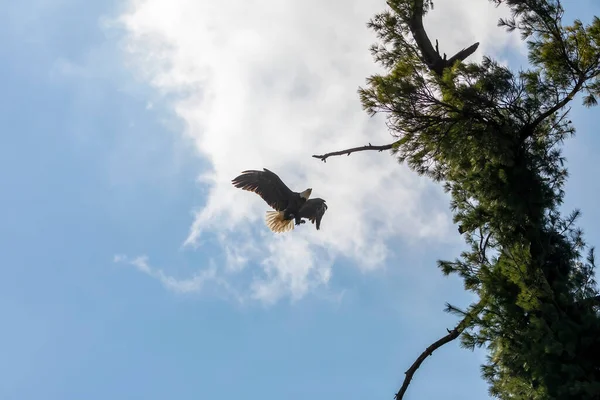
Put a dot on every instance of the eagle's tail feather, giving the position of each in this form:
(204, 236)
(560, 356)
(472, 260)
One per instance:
(276, 223)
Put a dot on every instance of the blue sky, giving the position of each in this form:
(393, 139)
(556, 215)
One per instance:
(94, 164)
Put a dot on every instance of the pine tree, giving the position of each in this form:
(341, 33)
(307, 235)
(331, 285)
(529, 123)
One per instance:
(492, 137)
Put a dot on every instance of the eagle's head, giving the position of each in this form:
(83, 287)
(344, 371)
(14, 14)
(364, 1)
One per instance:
(306, 194)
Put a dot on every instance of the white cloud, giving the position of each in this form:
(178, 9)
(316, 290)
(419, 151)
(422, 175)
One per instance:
(268, 83)
(290, 267)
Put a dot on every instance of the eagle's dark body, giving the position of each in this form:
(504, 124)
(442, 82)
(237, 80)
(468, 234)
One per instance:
(289, 206)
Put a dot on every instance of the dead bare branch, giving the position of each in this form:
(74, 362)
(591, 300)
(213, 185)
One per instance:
(324, 157)
(452, 335)
(432, 56)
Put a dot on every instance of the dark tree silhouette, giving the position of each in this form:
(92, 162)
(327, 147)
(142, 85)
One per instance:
(492, 137)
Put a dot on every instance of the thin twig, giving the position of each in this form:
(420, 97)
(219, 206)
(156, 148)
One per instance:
(324, 157)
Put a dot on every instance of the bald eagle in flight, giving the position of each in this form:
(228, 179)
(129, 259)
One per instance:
(289, 206)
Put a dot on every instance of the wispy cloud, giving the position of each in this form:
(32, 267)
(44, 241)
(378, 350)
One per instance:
(269, 83)
(192, 284)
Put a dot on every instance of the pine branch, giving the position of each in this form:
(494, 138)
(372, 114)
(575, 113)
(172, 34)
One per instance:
(590, 302)
(530, 128)
(431, 56)
(324, 157)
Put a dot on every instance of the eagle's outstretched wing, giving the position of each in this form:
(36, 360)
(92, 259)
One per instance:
(313, 210)
(267, 185)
